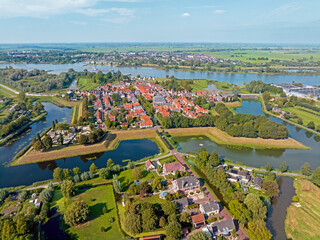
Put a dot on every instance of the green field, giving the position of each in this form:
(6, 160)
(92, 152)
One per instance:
(307, 115)
(199, 85)
(87, 84)
(304, 222)
(97, 198)
(7, 93)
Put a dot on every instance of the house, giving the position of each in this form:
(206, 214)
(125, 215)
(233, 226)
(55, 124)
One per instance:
(182, 204)
(222, 227)
(149, 166)
(37, 202)
(256, 183)
(171, 168)
(198, 220)
(151, 237)
(184, 184)
(163, 195)
(209, 208)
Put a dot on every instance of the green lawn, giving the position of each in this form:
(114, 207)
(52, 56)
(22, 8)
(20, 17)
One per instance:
(87, 84)
(199, 85)
(305, 114)
(97, 198)
(7, 93)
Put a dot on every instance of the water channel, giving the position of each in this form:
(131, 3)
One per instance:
(27, 174)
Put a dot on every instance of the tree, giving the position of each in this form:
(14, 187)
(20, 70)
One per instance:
(257, 230)
(271, 188)
(199, 235)
(305, 169)
(60, 139)
(239, 211)
(58, 174)
(22, 226)
(116, 184)
(169, 208)
(21, 97)
(300, 121)
(268, 167)
(132, 223)
(93, 168)
(162, 222)
(8, 229)
(156, 184)
(66, 174)
(76, 171)
(77, 212)
(173, 230)
(316, 177)
(104, 173)
(149, 220)
(185, 217)
(131, 165)
(83, 139)
(67, 188)
(214, 159)
(47, 142)
(3, 194)
(283, 166)
(256, 206)
(46, 195)
(137, 173)
(110, 163)
(311, 125)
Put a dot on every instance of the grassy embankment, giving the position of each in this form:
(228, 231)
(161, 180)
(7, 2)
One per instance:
(304, 222)
(307, 115)
(264, 110)
(223, 138)
(7, 93)
(97, 198)
(109, 143)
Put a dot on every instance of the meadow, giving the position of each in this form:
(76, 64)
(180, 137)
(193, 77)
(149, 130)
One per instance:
(304, 222)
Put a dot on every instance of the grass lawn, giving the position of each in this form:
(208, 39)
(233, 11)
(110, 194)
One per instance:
(87, 84)
(304, 222)
(199, 85)
(97, 198)
(7, 93)
(307, 115)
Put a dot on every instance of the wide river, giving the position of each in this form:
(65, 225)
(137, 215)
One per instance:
(236, 78)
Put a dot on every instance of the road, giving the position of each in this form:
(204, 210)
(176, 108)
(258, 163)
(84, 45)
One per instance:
(223, 212)
(259, 169)
(28, 94)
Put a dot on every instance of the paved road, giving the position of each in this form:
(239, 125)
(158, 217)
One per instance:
(259, 169)
(28, 94)
(208, 194)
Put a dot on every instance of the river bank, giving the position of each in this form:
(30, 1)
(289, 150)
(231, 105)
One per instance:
(222, 138)
(111, 142)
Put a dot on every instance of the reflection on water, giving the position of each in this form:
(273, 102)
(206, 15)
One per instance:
(27, 174)
(278, 210)
(236, 78)
(294, 158)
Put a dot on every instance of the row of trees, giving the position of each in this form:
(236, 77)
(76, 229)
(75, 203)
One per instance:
(261, 87)
(249, 209)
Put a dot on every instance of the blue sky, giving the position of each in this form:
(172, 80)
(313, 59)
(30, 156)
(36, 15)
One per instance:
(250, 21)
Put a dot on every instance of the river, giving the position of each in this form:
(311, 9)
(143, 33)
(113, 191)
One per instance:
(294, 158)
(27, 174)
(278, 211)
(236, 78)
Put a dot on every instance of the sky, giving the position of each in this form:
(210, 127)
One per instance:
(230, 21)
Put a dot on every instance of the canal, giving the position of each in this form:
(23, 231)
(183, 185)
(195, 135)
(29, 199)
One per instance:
(27, 174)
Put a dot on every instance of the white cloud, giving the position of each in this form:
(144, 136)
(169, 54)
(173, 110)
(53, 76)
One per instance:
(219, 11)
(185, 14)
(47, 8)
